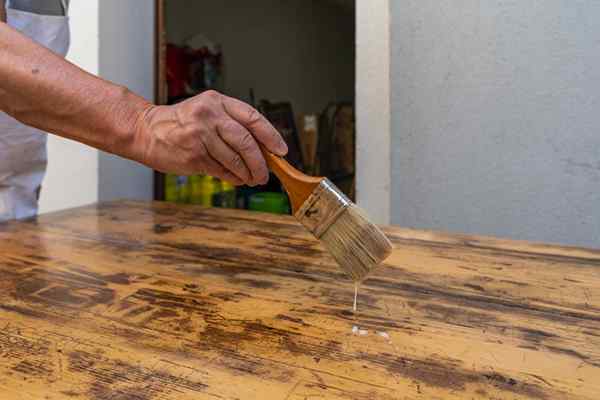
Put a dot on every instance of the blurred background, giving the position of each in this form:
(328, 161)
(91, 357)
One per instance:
(475, 116)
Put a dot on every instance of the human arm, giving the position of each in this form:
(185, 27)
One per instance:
(210, 133)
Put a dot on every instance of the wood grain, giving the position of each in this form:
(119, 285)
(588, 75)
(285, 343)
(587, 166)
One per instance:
(155, 301)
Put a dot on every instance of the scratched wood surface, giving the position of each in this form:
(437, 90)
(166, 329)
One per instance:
(154, 301)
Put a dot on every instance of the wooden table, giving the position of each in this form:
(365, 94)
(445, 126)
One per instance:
(153, 301)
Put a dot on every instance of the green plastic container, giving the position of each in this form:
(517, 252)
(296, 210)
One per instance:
(271, 202)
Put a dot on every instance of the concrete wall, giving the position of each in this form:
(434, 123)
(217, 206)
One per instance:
(72, 176)
(373, 116)
(495, 117)
(126, 51)
(298, 50)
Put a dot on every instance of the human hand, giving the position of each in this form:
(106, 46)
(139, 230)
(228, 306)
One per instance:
(210, 133)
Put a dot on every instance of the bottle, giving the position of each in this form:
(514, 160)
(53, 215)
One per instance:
(183, 189)
(203, 187)
(229, 194)
(225, 196)
(309, 143)
(271, 202)
(171, 192)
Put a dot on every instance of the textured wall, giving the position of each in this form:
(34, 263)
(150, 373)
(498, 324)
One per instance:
(496, 117)
(373, 108)
(126, 49)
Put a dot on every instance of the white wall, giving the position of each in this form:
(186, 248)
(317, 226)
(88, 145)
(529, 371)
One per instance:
(115, 40)
(126, 58)
(495, 118)
(298, 50)
(72, 176)
(373, 116)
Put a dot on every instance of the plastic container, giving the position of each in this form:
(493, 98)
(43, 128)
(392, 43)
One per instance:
(171, 191)
(271, 202)
(177, 188)
(202, 189)
(226, 196)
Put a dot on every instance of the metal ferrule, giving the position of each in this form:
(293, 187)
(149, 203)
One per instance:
(322, 208)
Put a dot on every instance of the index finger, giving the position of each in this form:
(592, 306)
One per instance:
(257, 125)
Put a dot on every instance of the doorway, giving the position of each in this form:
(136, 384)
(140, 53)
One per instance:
(294, 60)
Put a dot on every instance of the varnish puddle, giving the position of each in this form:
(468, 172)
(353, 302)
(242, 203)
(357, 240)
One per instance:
(358, 331)
(384, 335)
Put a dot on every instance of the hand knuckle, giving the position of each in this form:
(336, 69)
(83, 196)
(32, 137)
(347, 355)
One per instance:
(228, 126)
(254, 116)
(202, 109)
(237, 161)
(246, 142)
(212, 95)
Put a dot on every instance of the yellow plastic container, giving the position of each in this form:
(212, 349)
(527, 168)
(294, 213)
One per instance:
(202, 189)
(171, 191)
(183, 189)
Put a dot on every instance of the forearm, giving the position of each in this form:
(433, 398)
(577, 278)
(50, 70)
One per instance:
(42, 90)
(209, 133)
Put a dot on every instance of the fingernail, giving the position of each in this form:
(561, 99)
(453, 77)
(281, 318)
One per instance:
(283, 148)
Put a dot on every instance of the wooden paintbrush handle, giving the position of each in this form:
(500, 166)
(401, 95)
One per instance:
(298, 185)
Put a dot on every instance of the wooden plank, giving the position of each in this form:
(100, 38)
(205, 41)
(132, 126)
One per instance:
(155, 301)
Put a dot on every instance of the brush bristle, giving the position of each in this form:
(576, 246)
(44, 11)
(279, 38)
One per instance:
(356, 244)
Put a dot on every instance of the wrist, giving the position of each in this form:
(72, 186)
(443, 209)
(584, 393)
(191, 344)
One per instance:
(130, 126)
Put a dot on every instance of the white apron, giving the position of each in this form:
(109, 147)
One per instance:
(23, 156)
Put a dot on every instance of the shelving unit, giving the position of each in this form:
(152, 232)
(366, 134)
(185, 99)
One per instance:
(294, 53)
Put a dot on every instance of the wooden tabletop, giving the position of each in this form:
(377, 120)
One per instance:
(153, 301)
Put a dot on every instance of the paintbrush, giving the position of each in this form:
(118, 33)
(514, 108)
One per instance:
(355, 243)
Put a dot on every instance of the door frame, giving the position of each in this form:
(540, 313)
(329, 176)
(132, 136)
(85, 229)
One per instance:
(160, 81)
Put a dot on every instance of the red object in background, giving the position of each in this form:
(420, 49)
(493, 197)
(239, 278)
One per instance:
(190, 71)
(178, 72)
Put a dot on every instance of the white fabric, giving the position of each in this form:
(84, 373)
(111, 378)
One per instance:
(23, 156)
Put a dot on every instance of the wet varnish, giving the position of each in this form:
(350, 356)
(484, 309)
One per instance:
(154, 301)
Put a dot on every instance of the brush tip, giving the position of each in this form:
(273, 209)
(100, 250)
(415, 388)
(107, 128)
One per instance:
(355, 243)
